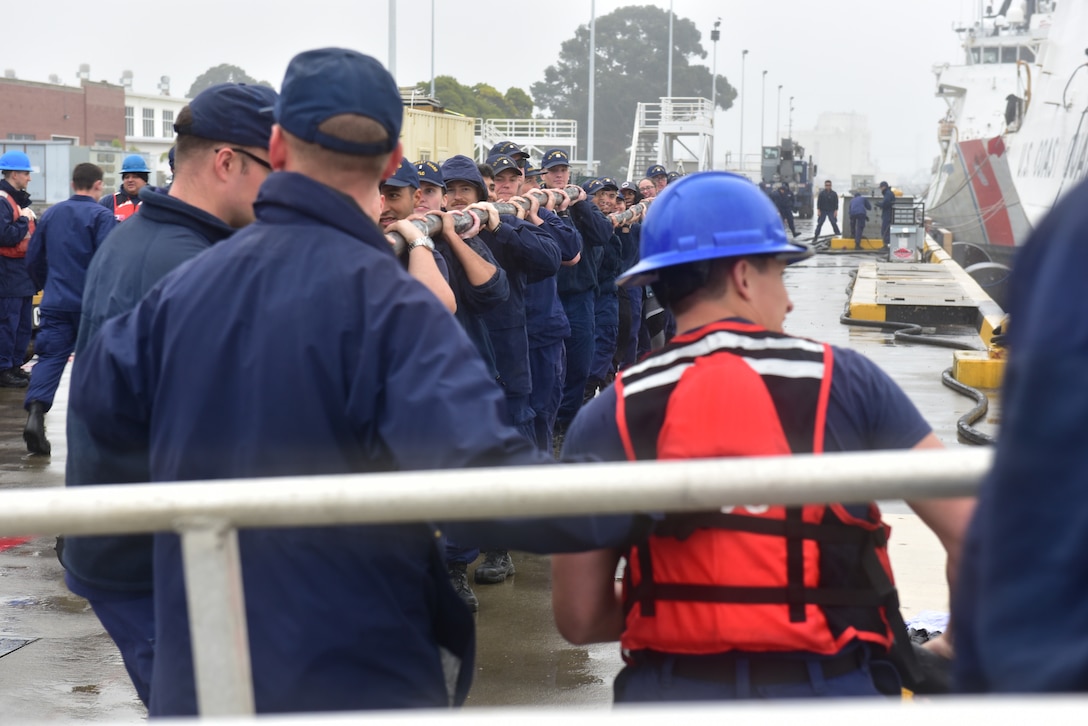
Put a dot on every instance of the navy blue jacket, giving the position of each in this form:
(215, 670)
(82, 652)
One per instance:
(859, 205)
(886, 204)
(596, 231)
(783, 199)
(1019, 606)
(300, 346)
(546, 321)
(475, 300)
(66, 238)
(137, 254)
(528, 254)
(14, 279)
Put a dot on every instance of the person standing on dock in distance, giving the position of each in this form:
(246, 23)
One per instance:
(221, 160)
(1021, 610)
(135, 175)
(783, 201)
(859, 205)
(57, 258)
(827, 204)
(17, 224)
(887, 202)
(749, 602)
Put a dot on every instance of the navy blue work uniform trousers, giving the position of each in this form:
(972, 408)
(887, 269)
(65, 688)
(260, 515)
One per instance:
(826, 216)
(606, 317)
(548, 364)
(857, 224)
(16, 325)
(886, 228)
(580, 344)
(691, 678)
(53, 345)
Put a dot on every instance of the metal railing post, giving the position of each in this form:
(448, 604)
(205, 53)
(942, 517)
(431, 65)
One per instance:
(217, 618)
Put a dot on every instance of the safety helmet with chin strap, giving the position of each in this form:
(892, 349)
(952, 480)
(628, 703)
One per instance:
(705, 216)
(15, 161)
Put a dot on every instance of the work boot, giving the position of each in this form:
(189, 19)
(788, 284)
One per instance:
(34, 432)
(459, 579)
(9, 379)
(496, 566)
(21, 373)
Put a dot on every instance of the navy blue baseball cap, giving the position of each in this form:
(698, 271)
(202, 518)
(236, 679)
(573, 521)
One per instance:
(236, 113)
(529, 170)
(462, 168)
(510, 149)
(428, 171)
(673, 176)
(599, 184)
(327, 82)
(554, 157)
(656, 170)
(502, 162)
(405, 176)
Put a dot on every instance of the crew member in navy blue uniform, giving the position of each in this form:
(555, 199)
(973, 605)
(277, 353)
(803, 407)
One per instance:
(325, 357)
(1020, 611)
(887, 202)
(659, 175)
(17, 221)
(577, 287)
(703, 613)
(221, 160)
(859, 205)
(827, 204)
(59, 253)
(528, 254)
(606, 311)
(630, 297)
(783, 200)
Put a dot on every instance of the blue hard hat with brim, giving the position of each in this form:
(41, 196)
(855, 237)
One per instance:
(706, 216)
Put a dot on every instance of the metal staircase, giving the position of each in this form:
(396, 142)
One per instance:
(674, 132)
(534, 135)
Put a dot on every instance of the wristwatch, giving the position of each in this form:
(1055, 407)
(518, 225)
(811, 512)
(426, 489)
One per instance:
(422, 242)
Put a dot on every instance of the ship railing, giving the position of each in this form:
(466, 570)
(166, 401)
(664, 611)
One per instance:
(208, 514)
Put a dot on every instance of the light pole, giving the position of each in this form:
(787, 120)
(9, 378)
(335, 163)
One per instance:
(743, 55)
(432, 48)
(715, 35)
(668, 83)
(592, 81)
(791, 119)
(778, 118)
(762, 112)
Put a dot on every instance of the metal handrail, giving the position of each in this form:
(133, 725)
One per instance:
(207, 515)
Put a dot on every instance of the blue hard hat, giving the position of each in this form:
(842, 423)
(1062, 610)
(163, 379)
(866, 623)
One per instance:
(708, 215)
(134, 163)
(15, 161)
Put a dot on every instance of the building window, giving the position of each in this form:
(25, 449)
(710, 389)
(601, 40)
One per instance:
(130, 123)
(72, 140)
(21, 137)
(149, 122)
(167, 124)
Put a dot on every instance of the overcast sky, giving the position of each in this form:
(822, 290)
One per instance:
(830, 55)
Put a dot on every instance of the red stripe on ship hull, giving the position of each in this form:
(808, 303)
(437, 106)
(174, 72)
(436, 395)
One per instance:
(7, 543)
(989, 199)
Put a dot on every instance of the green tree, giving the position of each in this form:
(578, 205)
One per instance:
(480, 101)
(631, 67)
(223, 73)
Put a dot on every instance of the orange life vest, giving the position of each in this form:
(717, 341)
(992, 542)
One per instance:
(124, 210)
(18, 250)
(753, 579)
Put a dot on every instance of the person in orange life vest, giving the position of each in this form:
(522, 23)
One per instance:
(728, 604)
(17, 223)
(135, 175)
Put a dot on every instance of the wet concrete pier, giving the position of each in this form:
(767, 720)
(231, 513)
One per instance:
(67, 669)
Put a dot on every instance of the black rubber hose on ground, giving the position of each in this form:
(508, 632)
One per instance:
(982, 405)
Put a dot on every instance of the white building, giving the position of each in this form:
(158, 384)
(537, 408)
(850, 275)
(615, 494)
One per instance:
(840, 147)
(149, 125)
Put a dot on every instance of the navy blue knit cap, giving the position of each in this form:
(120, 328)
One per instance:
(462, 168)
(233, 112)
(327, 82)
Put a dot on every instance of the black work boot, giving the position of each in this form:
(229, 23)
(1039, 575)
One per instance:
(458, 572)
(34, 432)
(495, 568)
(10, 379)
